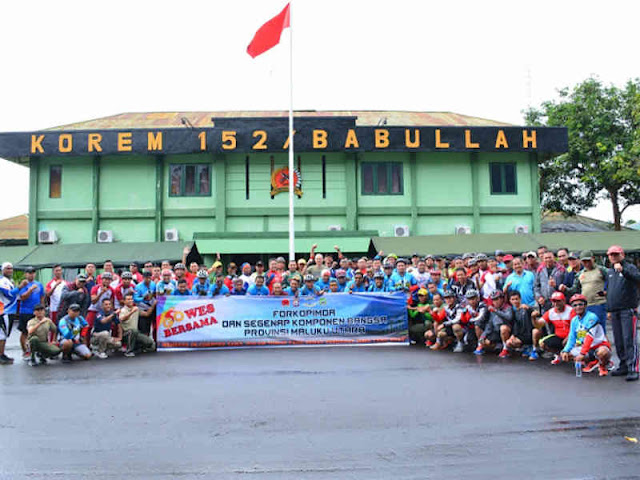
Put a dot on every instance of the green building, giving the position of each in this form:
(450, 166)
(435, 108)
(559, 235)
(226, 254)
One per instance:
(216, 178)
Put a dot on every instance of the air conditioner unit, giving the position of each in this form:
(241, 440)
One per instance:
(401, 230)
(105, 236)
(47, 236)
(522, 229)
(463, 230)
(171, 235)
(335, 228)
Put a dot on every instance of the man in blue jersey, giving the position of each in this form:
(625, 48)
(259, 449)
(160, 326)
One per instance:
(521, 280)
(30, 294)
(357, 284)
(218, 288)
(294, 287)
(323, 281)
(378, 285)
(71, 328)
(201, 284)
(238, 287)
(258, 288)
(402, 280)
(145, 298)
(309, 287)
(183, 289)
(343, 278)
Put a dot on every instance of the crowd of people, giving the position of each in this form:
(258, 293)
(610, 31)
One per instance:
(540, 303)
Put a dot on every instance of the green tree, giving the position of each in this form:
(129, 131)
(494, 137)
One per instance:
(603, 160)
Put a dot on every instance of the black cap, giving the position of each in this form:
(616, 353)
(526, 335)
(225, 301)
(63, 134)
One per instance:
(259, 263)
(75, 307)
(29, 270)
(136, 264)
(38, 307)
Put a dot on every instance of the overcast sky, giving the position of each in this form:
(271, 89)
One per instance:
(67, 61)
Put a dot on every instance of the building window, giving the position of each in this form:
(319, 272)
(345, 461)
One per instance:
(190, 180)
(55, 181)
(503, 178)
(383, 178)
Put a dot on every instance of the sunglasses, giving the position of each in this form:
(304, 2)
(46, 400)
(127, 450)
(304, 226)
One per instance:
(578, 304)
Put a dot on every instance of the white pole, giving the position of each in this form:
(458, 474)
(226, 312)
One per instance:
(292, 234)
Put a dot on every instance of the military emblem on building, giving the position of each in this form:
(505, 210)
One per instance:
(280, 181)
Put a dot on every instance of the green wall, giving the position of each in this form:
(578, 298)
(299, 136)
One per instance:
(440, 191)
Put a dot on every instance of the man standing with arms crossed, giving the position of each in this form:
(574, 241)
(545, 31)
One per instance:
(622, 302)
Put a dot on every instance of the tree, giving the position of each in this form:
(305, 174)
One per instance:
(603, 160)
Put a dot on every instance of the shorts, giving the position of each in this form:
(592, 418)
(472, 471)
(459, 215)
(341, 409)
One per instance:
(553, 342)
(23, 320)
(526, 339)
(81, 349)
(4, 327)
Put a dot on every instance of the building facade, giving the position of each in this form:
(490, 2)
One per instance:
(221, 178)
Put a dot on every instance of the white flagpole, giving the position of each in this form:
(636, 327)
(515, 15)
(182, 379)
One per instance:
(292, 241)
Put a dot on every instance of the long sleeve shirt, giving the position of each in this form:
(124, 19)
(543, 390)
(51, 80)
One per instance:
(71, 329)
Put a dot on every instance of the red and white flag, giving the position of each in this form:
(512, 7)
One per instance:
(268, 35)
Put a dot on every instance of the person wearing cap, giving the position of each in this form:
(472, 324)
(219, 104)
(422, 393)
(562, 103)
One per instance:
(136, 276)
(444, 323)
(309, 288)
(166, 285)
(521, 280)
(387, 269)
(245, 275)
(126, 286)
(179, 272)
(232, 269)
(30, 294)
(473, 314)
(183, 289)
(591, 281)
(217, 288)
(302, 266)
(342, 279)
(378, 285)
(623, 278)
(75, 292)
(201, 285)
(440, 283)
(145, 298)
(523, 334)
(401, 280)
(259, 270)
(100, 292)
(420, 319)
(499, 256)
(39, 328)
(587, 341)
(498, 328)
(548, 278)
(72, 329)
(106, 322)
(557, 323)
(129, 316)
(8, 306)
(258, 288)
(531, 261)
(413, 265)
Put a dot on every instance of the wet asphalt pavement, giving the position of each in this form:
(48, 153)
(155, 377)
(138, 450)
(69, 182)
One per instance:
(341, 412)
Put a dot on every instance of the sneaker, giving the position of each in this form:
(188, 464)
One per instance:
(429, 343)
(4, 360)
(603, 370)
(504, 353)
(102, 355)
(526, 352)
(556, 360)
(620, 372)
(459, 348)
(42, 360)
(632, 376)
(26, 357)
(129, 354)
(435, 346)
(479, 350)
(533, 356)
(591, 366)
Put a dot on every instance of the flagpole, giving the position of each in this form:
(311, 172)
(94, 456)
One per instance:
(292, 241)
